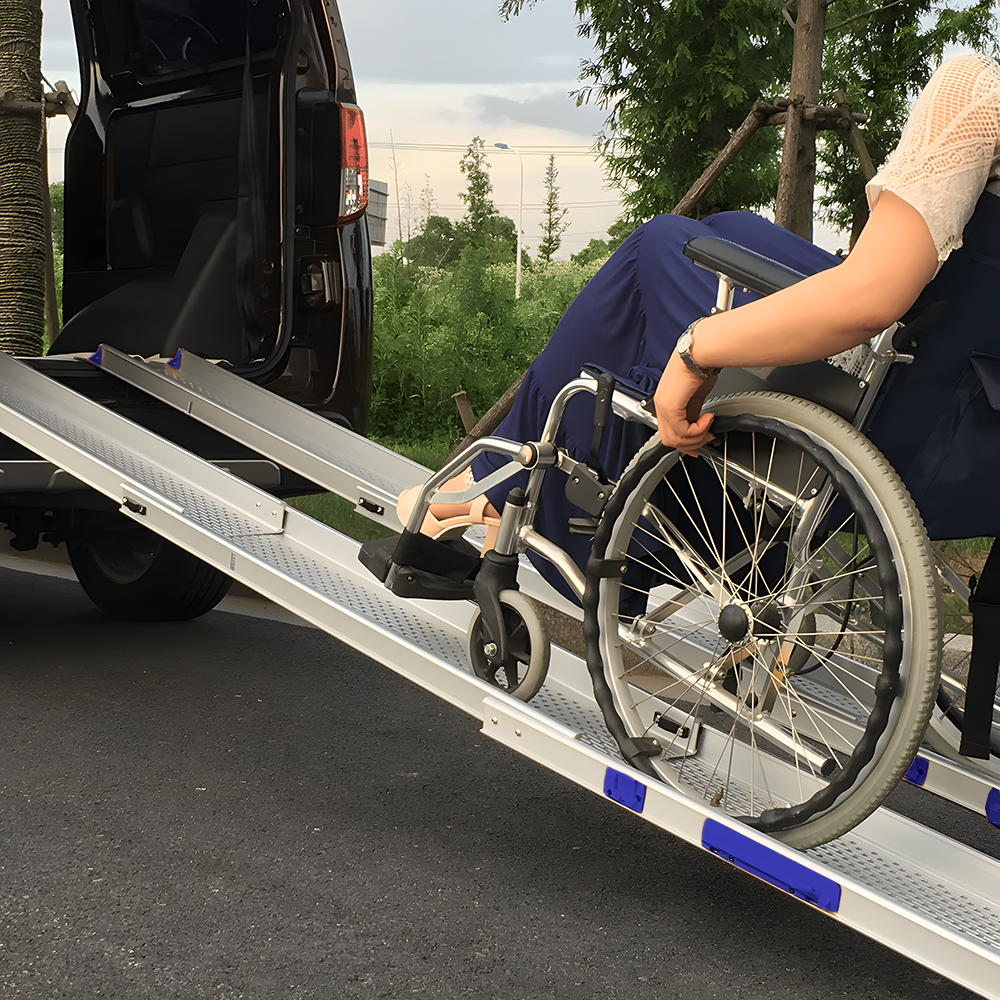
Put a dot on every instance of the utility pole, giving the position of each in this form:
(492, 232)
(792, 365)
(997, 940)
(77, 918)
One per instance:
(793, 207)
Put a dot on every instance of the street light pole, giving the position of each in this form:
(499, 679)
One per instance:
(520, 219)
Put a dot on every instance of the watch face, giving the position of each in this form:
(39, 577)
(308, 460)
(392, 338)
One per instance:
(684, 342)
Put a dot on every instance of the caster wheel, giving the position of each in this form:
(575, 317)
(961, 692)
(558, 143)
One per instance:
(523, 674)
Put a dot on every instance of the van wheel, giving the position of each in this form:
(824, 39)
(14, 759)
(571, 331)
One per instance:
(131, 573)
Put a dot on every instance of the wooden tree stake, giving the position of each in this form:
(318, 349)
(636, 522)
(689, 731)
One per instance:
(753, 121)
(464, 409)
(491, 420)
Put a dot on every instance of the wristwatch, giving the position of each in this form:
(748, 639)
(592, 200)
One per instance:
(683, 348)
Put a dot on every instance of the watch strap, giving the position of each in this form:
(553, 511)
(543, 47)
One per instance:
(687, 340)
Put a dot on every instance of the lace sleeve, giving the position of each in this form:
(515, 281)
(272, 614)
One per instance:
(947, 149)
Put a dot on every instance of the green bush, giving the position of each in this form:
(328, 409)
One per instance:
(439, 331)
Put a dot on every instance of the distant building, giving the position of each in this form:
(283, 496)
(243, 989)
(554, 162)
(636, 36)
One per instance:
(378, 211)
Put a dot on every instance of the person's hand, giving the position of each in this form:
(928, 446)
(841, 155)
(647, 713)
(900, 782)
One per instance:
(678, 399)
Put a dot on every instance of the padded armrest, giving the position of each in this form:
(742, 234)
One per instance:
(751, 270)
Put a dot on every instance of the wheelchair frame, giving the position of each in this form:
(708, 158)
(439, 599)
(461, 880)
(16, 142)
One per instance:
(851, 392)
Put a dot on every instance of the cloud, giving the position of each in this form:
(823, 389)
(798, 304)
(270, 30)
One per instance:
(555, 109)
(462, 41)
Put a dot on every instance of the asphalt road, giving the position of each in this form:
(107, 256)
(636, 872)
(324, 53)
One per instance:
(237, 807)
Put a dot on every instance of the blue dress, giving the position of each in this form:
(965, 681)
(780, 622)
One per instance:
(626, 319)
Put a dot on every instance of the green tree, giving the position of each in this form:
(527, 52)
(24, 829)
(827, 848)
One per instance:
(438, 245)
(677, 76)
(22, 217)
(551, 225)
(881, 62)
(596, 250)
(57, 204)
(482, 225)
(478, 204)
(428, 203)
(57, 201)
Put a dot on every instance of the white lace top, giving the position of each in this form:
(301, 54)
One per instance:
(949, 150)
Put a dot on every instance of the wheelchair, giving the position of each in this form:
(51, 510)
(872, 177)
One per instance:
(763, 624)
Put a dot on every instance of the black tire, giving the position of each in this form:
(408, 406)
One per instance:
(785, 648)
(530, 650)
(131, 573)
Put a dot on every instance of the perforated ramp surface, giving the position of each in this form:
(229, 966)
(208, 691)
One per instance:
(916, 891)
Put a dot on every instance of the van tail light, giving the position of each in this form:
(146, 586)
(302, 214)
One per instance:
(353, 163)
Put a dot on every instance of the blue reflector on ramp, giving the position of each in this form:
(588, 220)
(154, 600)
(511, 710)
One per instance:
(624, 789)
(916, 774)
(765, 863)
(993, 806)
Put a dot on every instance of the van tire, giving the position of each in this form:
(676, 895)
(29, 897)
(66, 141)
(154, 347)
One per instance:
(133, 574)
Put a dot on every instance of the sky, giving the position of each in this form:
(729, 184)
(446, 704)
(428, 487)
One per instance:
(429, 77)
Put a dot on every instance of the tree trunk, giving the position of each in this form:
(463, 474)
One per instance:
(793, 207)
(22, 216)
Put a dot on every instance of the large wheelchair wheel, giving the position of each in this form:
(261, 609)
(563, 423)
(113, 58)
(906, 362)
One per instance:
(762, 621)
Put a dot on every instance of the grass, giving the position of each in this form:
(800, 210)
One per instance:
(340, 514)
(967, 558)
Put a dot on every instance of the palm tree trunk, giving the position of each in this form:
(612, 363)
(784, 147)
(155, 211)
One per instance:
(22, 216)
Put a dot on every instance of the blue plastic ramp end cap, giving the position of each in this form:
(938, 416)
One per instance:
(768, 864)
(175, 361)
(993, 806)
(624, 789)
(916, 773)
(97, 357)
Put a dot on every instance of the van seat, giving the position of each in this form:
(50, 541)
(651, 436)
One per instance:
(195, 309)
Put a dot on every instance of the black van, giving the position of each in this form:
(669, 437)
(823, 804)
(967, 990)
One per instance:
(216, 184)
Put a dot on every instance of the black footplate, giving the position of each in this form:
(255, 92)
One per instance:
(418, 566)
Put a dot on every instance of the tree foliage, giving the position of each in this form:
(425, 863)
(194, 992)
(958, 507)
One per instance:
(881, 62)
(428, 203)
(482, 225)
(439, 330)
(600, 250)
(439, 244)
(551, 225)
(677, 76)
(478, 204)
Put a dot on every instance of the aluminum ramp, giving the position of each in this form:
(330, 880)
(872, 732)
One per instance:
(920, 893)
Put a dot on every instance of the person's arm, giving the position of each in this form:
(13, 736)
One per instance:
(941, 164)
(823, 315)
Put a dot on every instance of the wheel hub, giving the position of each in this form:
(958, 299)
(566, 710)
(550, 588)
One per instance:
(734, 622)
(759, 622)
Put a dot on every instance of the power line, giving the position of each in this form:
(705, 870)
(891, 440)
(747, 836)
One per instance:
(525, 150)
(539, 206)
